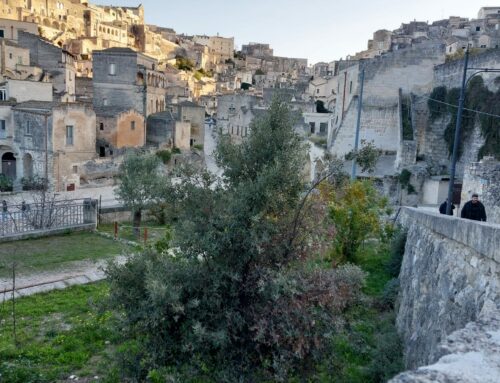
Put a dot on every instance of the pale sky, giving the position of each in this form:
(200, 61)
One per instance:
(319, 30)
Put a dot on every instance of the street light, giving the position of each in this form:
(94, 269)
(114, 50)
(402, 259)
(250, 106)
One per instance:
(458, 127)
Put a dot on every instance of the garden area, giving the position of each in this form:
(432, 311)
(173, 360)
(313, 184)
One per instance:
(252, 276)
(33, 256)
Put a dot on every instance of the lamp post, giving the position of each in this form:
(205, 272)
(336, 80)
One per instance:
(456, 142)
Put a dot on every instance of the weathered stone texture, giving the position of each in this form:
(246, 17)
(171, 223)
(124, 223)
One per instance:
(470, 355)
(450, 268)
(484, 178)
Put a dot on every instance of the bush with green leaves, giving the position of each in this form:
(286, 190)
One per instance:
(230, 296)
(397, 251)
(366, 157)
(33, 183)
(141, 184)
(356, 210)
(5, 183)
(164, 155)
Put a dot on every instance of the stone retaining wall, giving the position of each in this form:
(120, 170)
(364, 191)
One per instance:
(451, 267)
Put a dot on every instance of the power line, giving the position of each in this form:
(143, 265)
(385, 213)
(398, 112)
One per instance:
(456, 106)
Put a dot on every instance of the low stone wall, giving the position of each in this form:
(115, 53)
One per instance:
(48, 232)
(450, 269)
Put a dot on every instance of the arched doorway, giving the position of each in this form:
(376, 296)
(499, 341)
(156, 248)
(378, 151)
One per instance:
(9, 165)
(28, 165)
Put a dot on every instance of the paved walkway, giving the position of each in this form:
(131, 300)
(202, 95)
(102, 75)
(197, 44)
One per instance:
(78, 273)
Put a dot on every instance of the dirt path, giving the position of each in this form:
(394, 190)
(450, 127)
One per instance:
(77, 273)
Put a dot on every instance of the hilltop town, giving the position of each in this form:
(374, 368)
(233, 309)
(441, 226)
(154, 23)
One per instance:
(215, 178)
(96, 80)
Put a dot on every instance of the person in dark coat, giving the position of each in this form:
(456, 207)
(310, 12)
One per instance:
(474, 209)
(442, 208)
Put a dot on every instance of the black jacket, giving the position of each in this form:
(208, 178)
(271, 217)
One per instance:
(442, 208)
(474, 211)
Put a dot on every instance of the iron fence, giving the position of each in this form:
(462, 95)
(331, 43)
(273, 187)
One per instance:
(31, 217)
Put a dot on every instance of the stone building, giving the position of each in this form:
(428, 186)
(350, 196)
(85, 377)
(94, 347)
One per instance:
(12, 56)
(188, 111)
(164, 130)
(118, 128)
(53, 140)
(58, 63)
(257, 50)
(220, 48)
(128, 79)
(15, 164)
(22, 90)
(235, 113)
(9, 29)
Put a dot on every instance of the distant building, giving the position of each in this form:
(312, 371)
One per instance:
(164, 130)
(128, 79)
(54, 139)
(55, 61)
(118, 128)
(9, 29)
(193, 113)
(257, 50)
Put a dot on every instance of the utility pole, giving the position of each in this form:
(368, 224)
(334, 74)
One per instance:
(456, 143)
(358, 125)
(46, 181)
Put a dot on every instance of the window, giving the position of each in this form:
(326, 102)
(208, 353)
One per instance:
(112, 69)
(75, 169)
(28, 128)
(312, 126)
(69, 135)
(10, 56)
(1, 33)
(105, 101)
(478, 29)
(20, 60)
(101, 126)
(350, 87)
(323, 126)
(317, 91)
(3, 131)
(132, 125)
(3, 95)
(483, 46)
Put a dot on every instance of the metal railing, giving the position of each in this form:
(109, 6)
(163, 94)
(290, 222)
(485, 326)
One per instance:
(31, 217)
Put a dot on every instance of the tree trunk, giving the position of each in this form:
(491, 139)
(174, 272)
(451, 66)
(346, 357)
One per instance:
(136, 223)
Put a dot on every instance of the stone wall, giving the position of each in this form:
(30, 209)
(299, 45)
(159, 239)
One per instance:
(484, 178)
(430, 134)
(410, 70)
(450, 269)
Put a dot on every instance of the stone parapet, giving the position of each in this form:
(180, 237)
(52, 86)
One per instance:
(450, 269)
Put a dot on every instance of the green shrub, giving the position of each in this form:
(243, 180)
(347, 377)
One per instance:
(165, 155)
(386, 356)
(176, 150)
(5, 183)
(232, 296)
(397, 251)
(198, 147)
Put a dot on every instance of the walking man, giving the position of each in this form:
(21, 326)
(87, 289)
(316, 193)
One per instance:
(442, 208)
(474, 209)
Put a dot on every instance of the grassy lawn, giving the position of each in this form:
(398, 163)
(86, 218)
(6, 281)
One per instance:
(55, 252)
(59, 334)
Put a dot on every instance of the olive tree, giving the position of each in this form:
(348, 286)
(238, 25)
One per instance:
(140, 184)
